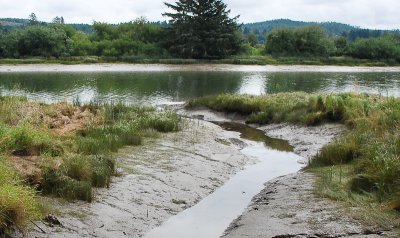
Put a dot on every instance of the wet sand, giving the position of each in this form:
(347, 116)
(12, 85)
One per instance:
(159, 179)
(191, 67)
(288, 206)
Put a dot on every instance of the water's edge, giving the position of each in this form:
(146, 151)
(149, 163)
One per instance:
(212, 215)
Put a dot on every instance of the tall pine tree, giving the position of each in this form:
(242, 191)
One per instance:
(202, 29)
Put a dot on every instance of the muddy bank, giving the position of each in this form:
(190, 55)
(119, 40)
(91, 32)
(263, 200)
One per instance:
(288, 207)
(159, 179)
(307, 141)
(192, 67)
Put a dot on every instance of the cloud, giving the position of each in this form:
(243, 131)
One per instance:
(364, 13)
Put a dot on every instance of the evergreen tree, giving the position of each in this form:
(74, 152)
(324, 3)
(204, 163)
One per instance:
(202, 29)
(33, 20)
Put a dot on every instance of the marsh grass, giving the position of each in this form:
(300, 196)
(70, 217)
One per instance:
(71, 162)
(26, 140)
(334, 182)
(125, 125)
(77, 175)
(370, 150)
(17, 202)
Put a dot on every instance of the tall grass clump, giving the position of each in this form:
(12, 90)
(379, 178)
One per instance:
(124, 125)
(17, 202)
(26, 140)
(77, 175)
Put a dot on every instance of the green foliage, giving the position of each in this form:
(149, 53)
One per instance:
(210, 35)
(35, 40)
(81, 44)
(135, 38)
(43, 41)
(349, 32)
(9, 44)
(382, 48)
(202, 29)
(342, 46)
(252, 39)
(307, 41)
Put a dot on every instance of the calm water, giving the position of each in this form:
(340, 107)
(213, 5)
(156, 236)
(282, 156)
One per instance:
(173, 86)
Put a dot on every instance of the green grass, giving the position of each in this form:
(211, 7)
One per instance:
(124, 125)
(17, 202)
(26, 140)
(77, 175)
(70, 163)
(370, 148)
(335, 182)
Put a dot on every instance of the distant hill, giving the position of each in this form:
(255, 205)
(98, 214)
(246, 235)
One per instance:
(261, 29)
(13, 23)
(17, 23)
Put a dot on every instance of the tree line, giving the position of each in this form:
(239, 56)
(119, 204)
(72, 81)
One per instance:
(261, 29)
(138, 37)
(313, 41)
(198, 29)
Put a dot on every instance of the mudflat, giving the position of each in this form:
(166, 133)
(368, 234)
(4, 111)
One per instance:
(158, 180)
(288, 205)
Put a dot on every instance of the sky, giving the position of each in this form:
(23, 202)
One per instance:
(382, 14)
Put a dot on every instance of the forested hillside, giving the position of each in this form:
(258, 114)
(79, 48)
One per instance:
(261, 29)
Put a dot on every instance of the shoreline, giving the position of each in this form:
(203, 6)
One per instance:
(290, 200)
(121, 67)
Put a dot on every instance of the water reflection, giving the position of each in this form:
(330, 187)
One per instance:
(374, 82)
(161, 87)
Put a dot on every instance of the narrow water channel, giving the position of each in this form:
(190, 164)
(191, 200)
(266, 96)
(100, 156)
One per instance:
(212, 215)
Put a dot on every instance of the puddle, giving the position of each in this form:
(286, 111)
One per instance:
(212, 215)
(253, 134)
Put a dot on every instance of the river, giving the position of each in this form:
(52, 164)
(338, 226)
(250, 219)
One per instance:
(157, 84)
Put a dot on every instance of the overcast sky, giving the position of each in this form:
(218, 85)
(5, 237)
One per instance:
(382, 14)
